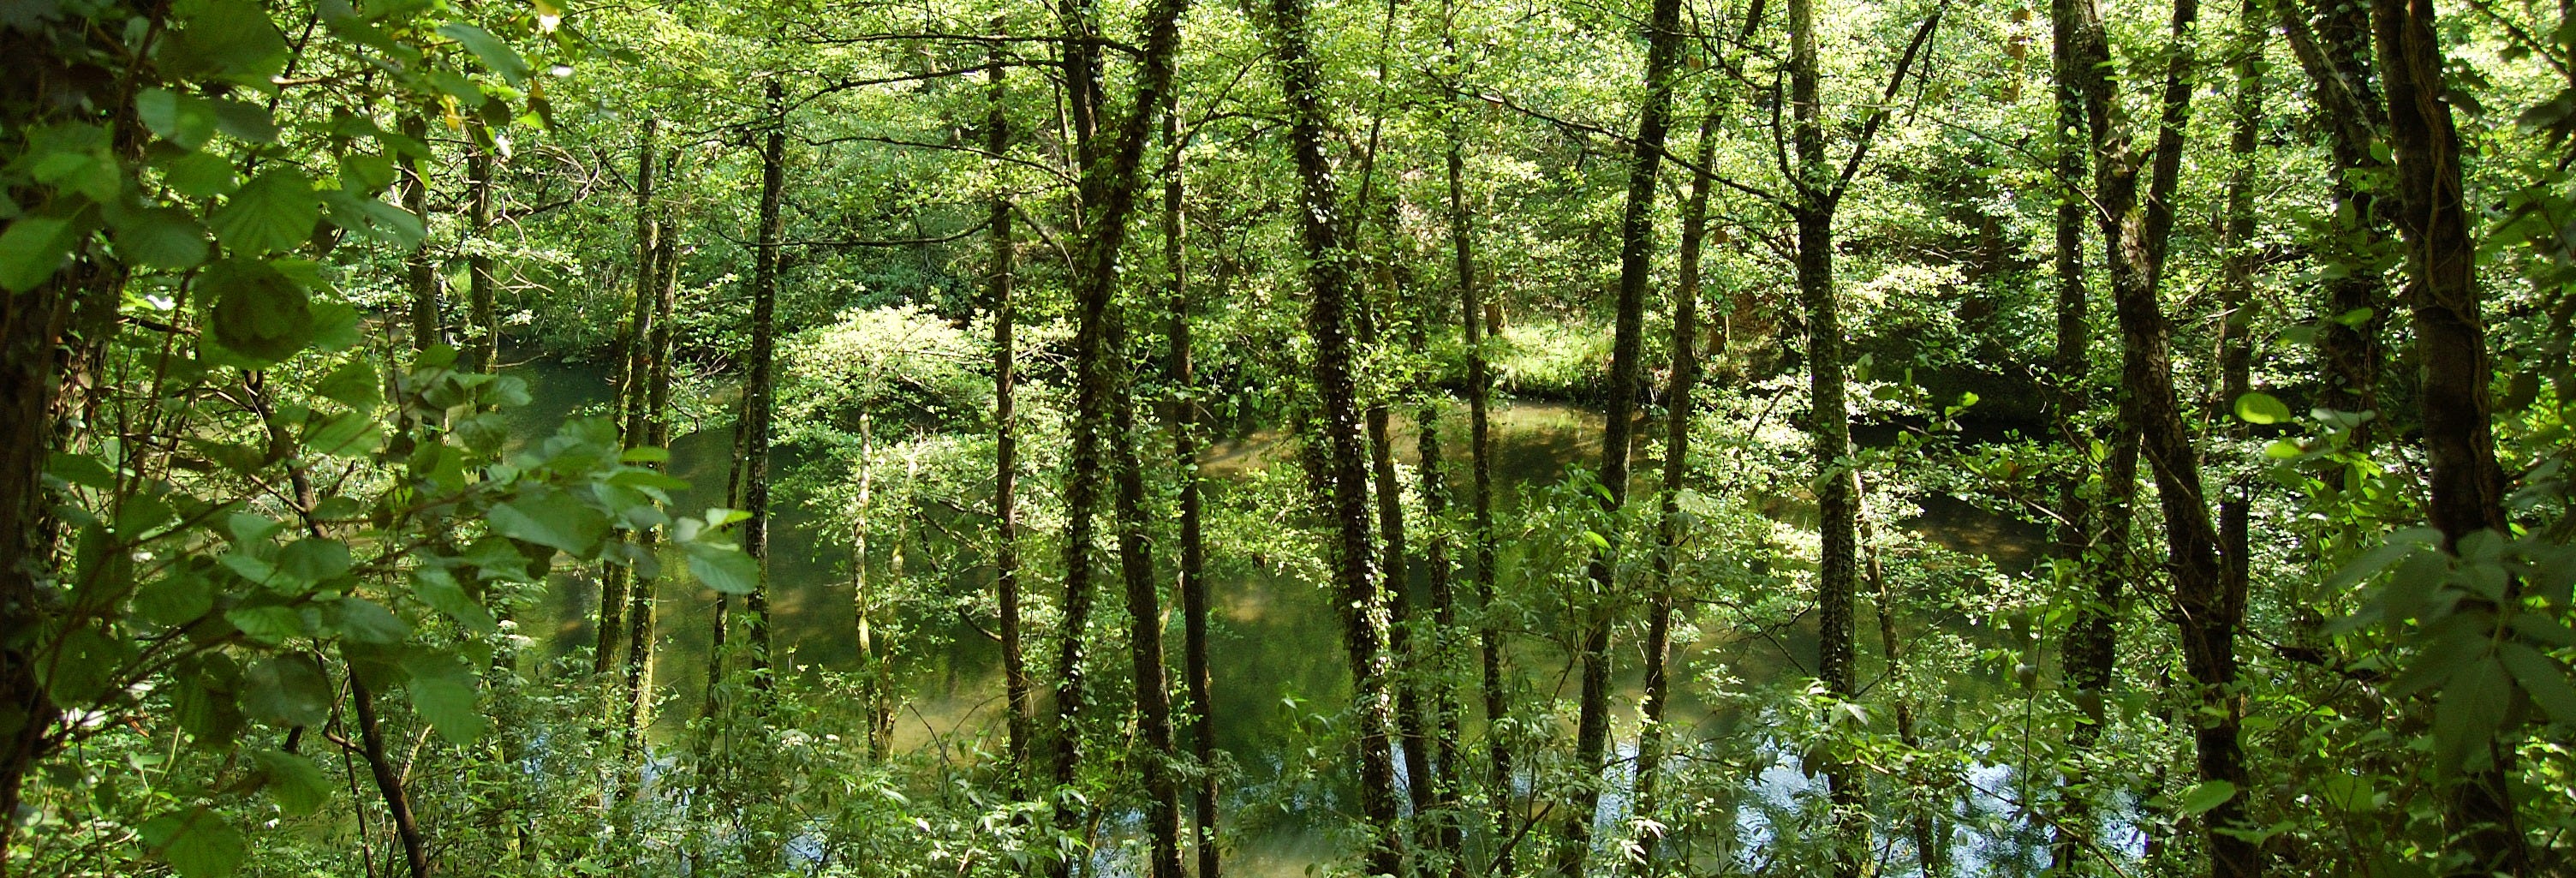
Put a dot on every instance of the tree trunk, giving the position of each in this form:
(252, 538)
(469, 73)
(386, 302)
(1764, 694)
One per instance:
(428, 314)
(1182, 377)
(1447, 835)
(2450, 337)
(657, 433)
(483, 348)
(760, 391)
(1328, 254)
(1394, 563)
(1108, 196)
(1930, 854)
(1636, 264)
(1837, 511)
(1480, 391)
(1006, 440)
(1144, 629)
(631, 405)
(388, 781)
(2236, 298)
(2335, 53)
(1668, 526)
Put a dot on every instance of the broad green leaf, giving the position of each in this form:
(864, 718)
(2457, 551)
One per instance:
(2261, 408)
(2349, 793)
(80, 469)
(166, 238)
(355, 384)
(2542, 678)
(229, 38)
(269, 624)
(2206, 795)
(553, 518)
(442, 690)
(249, 123)
(723, 567)
(177, 598)
(30, 250)
(185, 120)
(2467, 714)
(495, 53)
(288, 690)
(196, 843)
(200, 175)
(274, 211)
(369, 622)
(439, 590)
(258, 312)
(294, 782)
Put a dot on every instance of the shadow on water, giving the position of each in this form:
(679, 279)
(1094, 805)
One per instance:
(1277, 649)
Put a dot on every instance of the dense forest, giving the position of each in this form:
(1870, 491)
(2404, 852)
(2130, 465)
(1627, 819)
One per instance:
(1403, 438)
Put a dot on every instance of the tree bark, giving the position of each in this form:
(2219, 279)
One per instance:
(2335, 53)
(1668, 526)
(1448, 835)
(657, 433)
(483, 348)
(1636, 264)
(760, 402)
(420, 277)
(1328, 271)
(1006, 438)
(1183, 378)
(2467, 484)
(633, 386)
(1480, 463)
(371, 740)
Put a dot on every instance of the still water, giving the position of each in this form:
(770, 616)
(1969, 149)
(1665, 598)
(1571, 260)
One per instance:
(1276, 648)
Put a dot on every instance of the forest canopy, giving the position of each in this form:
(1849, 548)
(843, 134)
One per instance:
(1410, 438)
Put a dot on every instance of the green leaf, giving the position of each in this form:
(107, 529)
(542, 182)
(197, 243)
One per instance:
(2261, 408)
(199, 175)
(185, 120)
(442, 690)
(274, 211)
(439, 590)
(229, 38)
(297, 785)
(723, 567)
(369, 622)
(553, 518)
(2467, 714)
(270, 624)
(166, 238)
(2206, 795)
(250, 123)
(355, 384)
(288, 690)
(196, 843)
(177, 598)
(2544, 679)
(31, 249)
(495, 54)
(2348, 793)
(258, 312)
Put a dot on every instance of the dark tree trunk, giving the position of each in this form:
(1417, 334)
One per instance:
(1108, 197)
(420, 278)
(2236, 298)
(760, 402)
(632, 387)
(1440, 647)
(1193, 550)
(1837, 510)
(371, 742)
(1480, 462)
(1144, 629)
(1636, 264)
(1668, 526)
(482, 349)
(2335, 53)
(657, 433)
(2450, 338)
(1006, 441)
(31, 333)
(2078, 536)
(1393, 563)
(1328, 254)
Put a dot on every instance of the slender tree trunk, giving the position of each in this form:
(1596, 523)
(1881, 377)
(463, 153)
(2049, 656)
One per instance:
(1489, 630)
(2207, 615)
(2236, 296)
(483, 348)
(632, 387)
(1145, 631)
(1182, 377)
(2450, 338)
(2335, 53)
(1668, 526)
(1837, 510)
(759, 394)
(420, 277)
(1930, 853)
(1439, 668)
(1006, 438)
(1394, 561)
(31, 332)
(1328, 318)
(371, 741)
(1636, 263)
(657, 433)
(1108, 197)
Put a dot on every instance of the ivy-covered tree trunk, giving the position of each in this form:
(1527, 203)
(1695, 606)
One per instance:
(1328, 273)
(2467, 484)
(1192, 574)
(1636, 263)
(1394, 559)
(1829, 423)
(1144, 630)
(1022, 719)
(657, 430)
(2332, 44)
(1108, 198)
(1439, 647)
(632, 387)
(1668, 525)
(760, 405)
(2238, 263)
